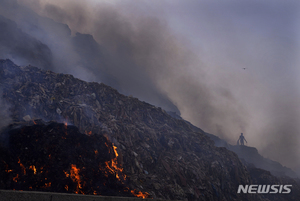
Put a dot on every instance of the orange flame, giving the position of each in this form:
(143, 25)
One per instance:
(74, 175)
(66, 127)
(32, 167)
(15, 179)
(115, 150)
(41, 169)
(107, 147)
(88, 133)
(113, 165)
(22, 166)
(47, 185)
(113, 168)
(140, 194)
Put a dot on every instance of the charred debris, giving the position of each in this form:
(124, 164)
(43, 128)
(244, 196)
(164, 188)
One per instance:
(94, 140)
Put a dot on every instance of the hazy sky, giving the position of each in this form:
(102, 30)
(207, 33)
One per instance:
(192, 54)
(262, 37)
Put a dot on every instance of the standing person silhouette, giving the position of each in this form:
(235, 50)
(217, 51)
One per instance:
(241, 140)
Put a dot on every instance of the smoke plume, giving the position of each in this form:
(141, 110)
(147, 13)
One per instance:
(186, 57)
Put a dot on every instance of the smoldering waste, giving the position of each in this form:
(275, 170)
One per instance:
(57, 157)
(159, 155)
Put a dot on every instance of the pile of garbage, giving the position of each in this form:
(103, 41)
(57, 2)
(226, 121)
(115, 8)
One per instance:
(58, 158)
(159, 154)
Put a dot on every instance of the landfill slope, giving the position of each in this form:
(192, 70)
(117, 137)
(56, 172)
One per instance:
(161, 155)
(248, 155)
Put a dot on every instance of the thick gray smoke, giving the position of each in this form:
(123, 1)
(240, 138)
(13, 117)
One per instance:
(123, 56)
(187, 59)
(261, 101)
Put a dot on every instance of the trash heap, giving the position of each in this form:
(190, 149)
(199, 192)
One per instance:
(159, 154)
(58, 158)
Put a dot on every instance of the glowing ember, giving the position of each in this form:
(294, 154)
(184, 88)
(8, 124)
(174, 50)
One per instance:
(32, 167)
(140, 194)
(15, 179)
(47, 185)
(41, 169)
(88, 133)
(107, 147)
(22, 166)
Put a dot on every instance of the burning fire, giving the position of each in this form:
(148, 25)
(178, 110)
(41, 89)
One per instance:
(140, 194)
(115, 150)
(22, 166)
(15, 179)
(32, 167)
(74, 175)
(76, 178)
(47, 185)
(6, 168)
(113, 166)
(19, 177)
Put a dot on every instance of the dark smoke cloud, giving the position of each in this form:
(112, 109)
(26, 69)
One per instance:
(131, 46)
